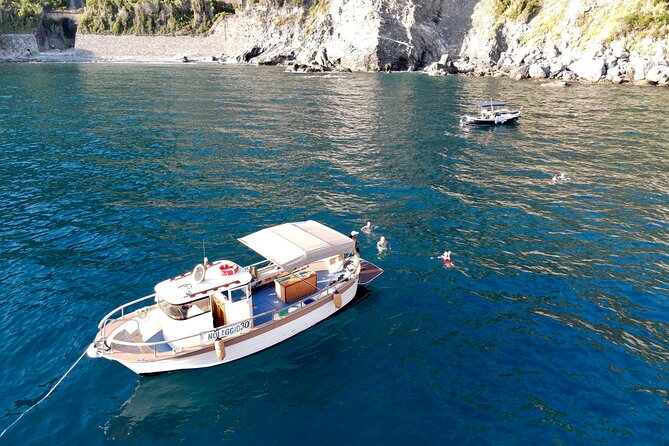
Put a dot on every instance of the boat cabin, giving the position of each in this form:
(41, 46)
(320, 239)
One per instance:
(210, 296)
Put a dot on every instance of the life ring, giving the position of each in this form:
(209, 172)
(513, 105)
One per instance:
(228, 268)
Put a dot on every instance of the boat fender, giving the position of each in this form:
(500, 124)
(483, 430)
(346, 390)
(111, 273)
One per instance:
(228, 268)
(337, 300)
(220, 349)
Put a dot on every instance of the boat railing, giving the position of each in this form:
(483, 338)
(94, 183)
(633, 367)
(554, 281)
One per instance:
(207, 337)
(107, 319)
(267, 261)
(276, 314)
(122, 309)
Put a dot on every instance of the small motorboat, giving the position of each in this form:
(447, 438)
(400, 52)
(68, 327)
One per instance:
(220, 311)
(492, 113)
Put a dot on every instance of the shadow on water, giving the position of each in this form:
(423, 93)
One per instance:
(170, 402)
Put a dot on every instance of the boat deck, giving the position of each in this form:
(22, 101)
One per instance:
(265, 298)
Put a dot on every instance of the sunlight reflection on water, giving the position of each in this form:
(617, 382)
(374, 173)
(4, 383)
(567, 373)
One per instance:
(556, 304)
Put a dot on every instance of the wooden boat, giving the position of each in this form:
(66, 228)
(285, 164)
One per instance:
(489, 115)
(220, 312)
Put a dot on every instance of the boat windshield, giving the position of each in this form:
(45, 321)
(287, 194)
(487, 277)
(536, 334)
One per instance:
(187, 310)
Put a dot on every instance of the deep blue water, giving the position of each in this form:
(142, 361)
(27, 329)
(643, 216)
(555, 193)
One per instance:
(552, 328)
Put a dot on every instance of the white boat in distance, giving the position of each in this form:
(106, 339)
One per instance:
(489, 115)
(220, 312)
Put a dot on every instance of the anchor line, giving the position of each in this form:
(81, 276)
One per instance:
(47, 394)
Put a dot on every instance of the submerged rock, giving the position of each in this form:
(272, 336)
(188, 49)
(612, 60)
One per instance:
(556, 84)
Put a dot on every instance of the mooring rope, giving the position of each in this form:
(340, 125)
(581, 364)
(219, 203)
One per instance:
(45, 396)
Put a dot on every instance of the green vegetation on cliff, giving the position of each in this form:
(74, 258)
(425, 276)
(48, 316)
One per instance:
(648, 22)
(517, 9)
(152, 17)
(24, 15)
(585, 22)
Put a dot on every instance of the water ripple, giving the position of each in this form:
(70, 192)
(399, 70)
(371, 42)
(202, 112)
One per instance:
(552, 324)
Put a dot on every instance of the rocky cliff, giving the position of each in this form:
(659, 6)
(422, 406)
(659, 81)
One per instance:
(615, 40)
(593, 40)
(367, 35)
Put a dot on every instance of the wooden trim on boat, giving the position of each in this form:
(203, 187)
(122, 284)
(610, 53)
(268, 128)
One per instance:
(158, 356)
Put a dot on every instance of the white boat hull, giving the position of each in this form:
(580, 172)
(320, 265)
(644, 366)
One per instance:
(256, 340)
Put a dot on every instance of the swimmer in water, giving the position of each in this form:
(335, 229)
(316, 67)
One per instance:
(368, 228)
(561, 177)
(446, 257)
(382, 244)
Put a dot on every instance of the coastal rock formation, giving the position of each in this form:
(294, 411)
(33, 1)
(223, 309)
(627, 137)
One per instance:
(579, 39)
(589, 69)
(659, 74)
(360, 35)
(17, 47)
(616, 41)
(56, 34)
(593, 40)
(441, 68)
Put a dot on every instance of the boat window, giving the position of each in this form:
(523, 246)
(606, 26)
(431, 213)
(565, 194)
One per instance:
(238, 294)
(187, 310)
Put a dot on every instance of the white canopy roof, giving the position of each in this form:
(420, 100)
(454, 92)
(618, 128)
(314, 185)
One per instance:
(292, 245)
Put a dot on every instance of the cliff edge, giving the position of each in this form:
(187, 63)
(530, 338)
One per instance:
(359, 35)
(593, 40)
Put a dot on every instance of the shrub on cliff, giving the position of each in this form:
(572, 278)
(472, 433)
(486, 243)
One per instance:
(24, 15)
(517, 9)
(152, 17)
(652, 22)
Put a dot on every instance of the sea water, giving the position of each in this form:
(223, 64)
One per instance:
(552, 326)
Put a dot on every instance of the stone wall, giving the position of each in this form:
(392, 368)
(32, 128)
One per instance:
(146, 48)
(17, 47)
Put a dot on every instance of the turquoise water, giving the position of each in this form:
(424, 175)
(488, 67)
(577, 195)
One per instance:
(551, 328)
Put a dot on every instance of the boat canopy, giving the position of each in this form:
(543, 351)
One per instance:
(489, 103)
(292, 245)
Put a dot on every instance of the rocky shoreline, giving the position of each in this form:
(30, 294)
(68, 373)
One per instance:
(440, 37)
(612, 65)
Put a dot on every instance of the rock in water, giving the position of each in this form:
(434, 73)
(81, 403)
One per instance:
(659, 74)
(589, 69)
(537, 71)
(640, 66)
(521, 72)
(443, 67)
(556, 84)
